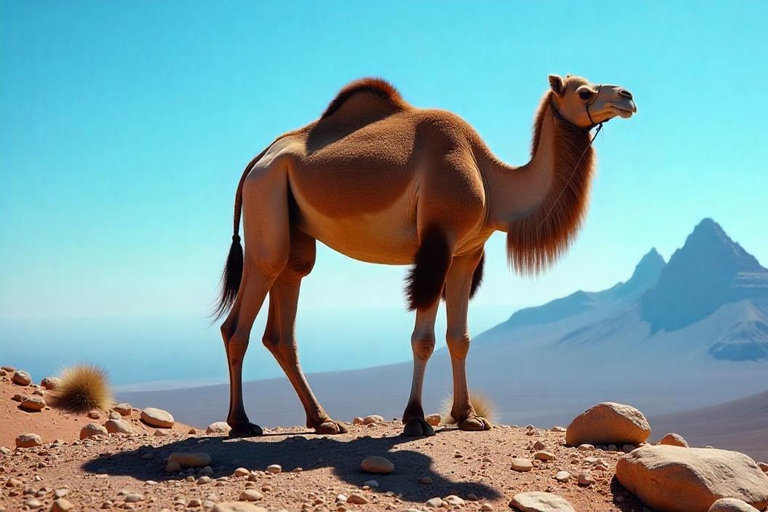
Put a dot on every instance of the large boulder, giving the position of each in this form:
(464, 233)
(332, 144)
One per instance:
(677, 479)
(608, 423)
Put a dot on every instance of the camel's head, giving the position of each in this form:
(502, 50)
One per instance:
(586, 104)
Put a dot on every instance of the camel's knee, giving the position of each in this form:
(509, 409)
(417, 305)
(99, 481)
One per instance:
(423, 344)
(458, 344)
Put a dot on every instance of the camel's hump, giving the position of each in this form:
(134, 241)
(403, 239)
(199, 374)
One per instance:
(376, 86)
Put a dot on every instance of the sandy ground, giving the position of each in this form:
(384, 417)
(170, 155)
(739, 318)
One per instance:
(99, 473)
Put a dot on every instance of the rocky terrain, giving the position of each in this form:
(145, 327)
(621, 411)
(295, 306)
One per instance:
(146, 461)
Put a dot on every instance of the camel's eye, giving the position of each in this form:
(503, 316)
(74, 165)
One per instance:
(586, 94)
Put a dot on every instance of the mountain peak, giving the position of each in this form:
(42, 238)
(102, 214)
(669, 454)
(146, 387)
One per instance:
(646, 272)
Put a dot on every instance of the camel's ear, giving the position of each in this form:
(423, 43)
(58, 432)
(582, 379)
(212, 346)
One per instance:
(557, 84)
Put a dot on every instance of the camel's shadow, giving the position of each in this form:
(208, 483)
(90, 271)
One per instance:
(305, 451)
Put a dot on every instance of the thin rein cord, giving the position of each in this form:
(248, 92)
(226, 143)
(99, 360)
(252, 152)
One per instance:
(560, 117)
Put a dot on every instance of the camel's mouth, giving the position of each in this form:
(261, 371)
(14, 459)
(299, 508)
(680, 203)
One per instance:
(625, 110)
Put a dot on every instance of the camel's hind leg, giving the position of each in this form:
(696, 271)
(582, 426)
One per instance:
(265, 204)
(422, 344)
(279, 336)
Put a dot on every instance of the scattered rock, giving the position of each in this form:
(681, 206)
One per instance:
(123, 409)
(237, 506)
(157, 418)
(434, 419)
(434, 503)
(486, 507)
(628, 448)
(62, 505)
(539, 445)
(241, 472)
(92, 429)
(50, 383)
(218, 427)
(173, 467)
(357, 421)
(371, 484)
(19, 397)
(674, 440)
(586, 447)
(425, 480)
(274, 469)
(540, 502)
(134, 497)
(542, 455)
(21, 378)
(33, 403)
(562, 476)
(586, 479)
(357, 499)
(117, 427)
(377, 465)
(608, 423)
(453, 501)
(691, 479)
(162, 432)
(731, 505)
(522, 465)
(28, 441)
(94, 414)
(251, 495)
(190, 459)
(373, 418)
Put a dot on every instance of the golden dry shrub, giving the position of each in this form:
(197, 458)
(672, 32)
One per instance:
(483, 404)
(83, 387)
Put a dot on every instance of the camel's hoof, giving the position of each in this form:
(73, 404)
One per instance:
(417, 427)
(330, 427)
(246, 430)
(475, 423)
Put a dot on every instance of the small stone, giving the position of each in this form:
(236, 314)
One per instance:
(117, 427)
(453, 501)
(123, 409)
(28, 441)
(274, 469)
(94, 414)
(19, 397)
(673, 439)
(377, 465)
(373, 418)
(251, 495)
(522, 465)
(33, 403)
(357, 499)
(33, 503)
(203, 480)
(21, 378)
(731, 505)
(218, 427)
(628, 448)
(62, 505)
(190, 459)
(50, 383)
(562, 476)
(539, 445)
(434, 419)
(544, 455)
(540, 502)
(134, 498)
(92, 429)
(60, 493)
(157, 418)
(173, 467)
(425, 480)
(486, 507)
(241, 472)
(237, 506)
(371, 484)
(585, 479)
(162, 432)
(357, 421)
(586, 447)
(194, 502)
(434, 503)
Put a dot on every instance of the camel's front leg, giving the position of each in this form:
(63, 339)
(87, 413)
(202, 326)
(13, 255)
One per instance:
(423, 344)
(458, 285)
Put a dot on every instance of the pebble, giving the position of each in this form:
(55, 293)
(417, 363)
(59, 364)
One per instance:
(373, 418)
(21, 378)
(434, 419)
(62, 505)
(241, 472)
(674, 440)
(190, 459)
(18, 397)
(425, 480)
(117, 427)
(60, 493)
(434, 503)
(134, 498)
(33, 503)
(627, 448)
(519, 464)
(94, 414)
(585, 479)
(162, 432)
(562, 476)
(357, 421)
(33, 403)
(173, 467)
(92, 429)
(28, 441)
(206, 471)
(539, 445)
(194, 502)
(218, 427)
(378, 465)
(274, 469)
(372, 484)
(544, 455)
(123, 409)
(453, 501)
(357, 499)
(50, 382)
(586, 447)
(203, 480)
(251, 495)
(157, 418)
(486, 507)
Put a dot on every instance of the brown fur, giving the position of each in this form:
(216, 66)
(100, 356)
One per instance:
(427, 276)
(535, 241)
(376, 86)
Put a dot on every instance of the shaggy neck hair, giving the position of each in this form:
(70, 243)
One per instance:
(535, 241)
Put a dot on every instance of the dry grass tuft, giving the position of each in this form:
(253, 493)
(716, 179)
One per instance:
(83, 387)
(484, 406)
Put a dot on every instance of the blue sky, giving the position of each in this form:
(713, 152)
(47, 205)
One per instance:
(124, 127)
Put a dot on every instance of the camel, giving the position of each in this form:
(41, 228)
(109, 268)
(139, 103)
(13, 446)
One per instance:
(381, 181)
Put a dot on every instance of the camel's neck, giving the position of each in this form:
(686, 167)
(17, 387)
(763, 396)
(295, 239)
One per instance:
(541, 205)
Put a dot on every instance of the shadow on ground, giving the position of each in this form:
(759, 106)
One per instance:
(308, 452)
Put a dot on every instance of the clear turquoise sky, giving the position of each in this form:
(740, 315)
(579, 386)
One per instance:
(125, 127)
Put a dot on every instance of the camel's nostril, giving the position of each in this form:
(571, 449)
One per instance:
(625, 94)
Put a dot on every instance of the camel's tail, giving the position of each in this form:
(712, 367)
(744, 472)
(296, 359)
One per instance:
(233, 269)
